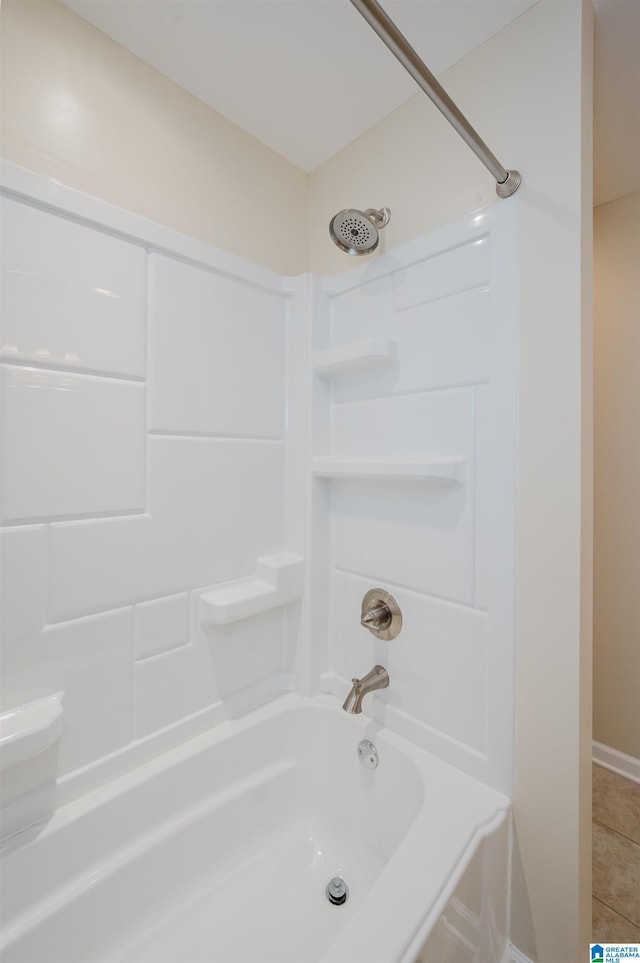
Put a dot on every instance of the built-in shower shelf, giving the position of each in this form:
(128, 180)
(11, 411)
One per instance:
(276, 581)
(357, 356)
(29, 730)
(439, 470)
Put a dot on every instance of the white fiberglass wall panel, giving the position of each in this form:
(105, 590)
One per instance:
(72, 297)
(444, 547)
(219, 354)
(144, 389)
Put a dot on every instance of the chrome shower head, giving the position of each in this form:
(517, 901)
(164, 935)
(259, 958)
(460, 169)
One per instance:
(356, 232)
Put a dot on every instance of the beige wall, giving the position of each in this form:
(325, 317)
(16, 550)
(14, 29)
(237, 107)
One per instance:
(79, 108)
(616, 706)
(523, 90)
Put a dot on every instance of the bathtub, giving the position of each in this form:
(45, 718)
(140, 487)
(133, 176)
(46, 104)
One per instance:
(220, 851)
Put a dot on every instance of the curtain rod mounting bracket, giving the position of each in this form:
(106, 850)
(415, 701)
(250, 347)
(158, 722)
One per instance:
(509, 186)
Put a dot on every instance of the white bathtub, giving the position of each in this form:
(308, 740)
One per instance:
(220, 851)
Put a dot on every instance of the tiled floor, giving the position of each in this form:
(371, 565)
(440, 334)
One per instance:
(616, 858)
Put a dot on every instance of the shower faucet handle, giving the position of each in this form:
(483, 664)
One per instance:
(381, 614)
(378, 617)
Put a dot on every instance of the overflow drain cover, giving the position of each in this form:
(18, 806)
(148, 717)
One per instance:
(337, 891)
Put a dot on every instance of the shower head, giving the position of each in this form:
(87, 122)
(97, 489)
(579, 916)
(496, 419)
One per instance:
(356, 232)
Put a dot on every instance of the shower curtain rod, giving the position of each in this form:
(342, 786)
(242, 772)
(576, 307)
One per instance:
(507, 182)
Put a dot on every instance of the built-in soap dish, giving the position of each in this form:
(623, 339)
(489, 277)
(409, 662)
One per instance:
(277, 581)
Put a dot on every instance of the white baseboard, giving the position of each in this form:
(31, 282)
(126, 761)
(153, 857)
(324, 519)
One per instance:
(616, 761)
(516, 956)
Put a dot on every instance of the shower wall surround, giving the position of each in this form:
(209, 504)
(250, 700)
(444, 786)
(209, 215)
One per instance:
(144, 387)
(442, 408)
(168, 412)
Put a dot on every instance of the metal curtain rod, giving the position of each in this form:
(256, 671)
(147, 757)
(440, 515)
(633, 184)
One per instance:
(507, 182)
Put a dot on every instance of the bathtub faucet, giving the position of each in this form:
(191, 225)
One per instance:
(378, 678)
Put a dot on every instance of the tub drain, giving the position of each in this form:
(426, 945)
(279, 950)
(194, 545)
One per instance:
(337, 891)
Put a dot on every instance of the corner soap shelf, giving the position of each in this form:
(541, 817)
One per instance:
(350, 358)
(29, 730)
(277, 581)
(446, 470)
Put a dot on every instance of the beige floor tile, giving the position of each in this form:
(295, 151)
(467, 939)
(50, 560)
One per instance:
(616, 802)
(607, 926)
(616, 872)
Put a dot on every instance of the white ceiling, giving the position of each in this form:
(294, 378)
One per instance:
(306, 77)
